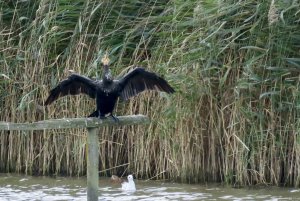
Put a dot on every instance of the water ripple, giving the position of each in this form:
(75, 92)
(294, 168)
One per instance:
(23, 188)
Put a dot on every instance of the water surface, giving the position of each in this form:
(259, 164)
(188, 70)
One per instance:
(20, 187)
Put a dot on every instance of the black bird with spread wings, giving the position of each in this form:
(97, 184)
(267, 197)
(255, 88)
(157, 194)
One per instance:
(107, 91)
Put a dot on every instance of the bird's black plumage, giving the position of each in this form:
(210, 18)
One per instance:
(107, 91)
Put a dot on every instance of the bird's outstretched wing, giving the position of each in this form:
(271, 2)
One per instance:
(73, 85)
(139, 80)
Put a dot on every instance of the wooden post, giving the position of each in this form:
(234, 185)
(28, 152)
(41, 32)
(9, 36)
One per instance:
(92, 139)
(92, 164)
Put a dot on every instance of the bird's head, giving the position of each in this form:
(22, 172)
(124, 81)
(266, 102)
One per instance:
(130, 177)
(107, 74)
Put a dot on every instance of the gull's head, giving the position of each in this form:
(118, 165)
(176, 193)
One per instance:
(130, 177)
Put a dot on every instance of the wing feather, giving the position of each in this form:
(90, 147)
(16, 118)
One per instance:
(73, 85)
(139, 80)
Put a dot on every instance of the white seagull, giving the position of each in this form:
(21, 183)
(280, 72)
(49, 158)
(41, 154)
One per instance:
(130, 185)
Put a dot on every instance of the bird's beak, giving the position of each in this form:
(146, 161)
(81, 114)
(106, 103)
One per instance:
(105, 60)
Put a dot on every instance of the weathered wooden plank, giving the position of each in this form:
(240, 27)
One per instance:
(75, 123)
(92, 139)
(92, 164)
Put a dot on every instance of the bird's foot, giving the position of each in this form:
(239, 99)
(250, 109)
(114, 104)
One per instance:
(116, 119)
(97, 115)
(101, 117)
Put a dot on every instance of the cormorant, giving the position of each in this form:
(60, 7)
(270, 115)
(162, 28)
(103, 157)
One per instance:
(107, 91)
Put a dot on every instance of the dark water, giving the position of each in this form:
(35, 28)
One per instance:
(20, 187)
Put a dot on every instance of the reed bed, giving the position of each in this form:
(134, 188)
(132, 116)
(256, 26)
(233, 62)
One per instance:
(234, 65)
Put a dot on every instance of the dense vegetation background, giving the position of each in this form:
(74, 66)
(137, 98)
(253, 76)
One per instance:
(234, 64)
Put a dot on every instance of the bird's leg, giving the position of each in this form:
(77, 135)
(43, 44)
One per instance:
(101, 116)
(114, 118)
(97, 114)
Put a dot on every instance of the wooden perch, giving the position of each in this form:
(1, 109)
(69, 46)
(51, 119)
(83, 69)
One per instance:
(92, 139)
(75, 123)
